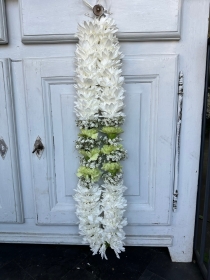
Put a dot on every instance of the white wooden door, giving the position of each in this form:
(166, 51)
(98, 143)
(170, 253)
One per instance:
(150, 128)
(156, 38)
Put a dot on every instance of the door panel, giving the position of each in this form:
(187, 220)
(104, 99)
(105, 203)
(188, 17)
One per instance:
(3, 24)
(50, 93)
(57, 21)
(10, 187)
(149, 137)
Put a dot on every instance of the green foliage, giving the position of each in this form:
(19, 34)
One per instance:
(89, 173)
(107, 149)
(112, 167)
(91, 133)
(111, 131)
(92, 154)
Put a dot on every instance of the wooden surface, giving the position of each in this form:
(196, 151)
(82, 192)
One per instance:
(3, 24)
(10, 185)
(149, 167)
(56, 22)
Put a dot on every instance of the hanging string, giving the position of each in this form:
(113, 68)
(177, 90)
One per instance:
(108, 6)
(88, 4)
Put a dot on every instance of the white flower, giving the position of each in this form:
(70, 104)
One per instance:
(89, 213)
(113, 204)
(98, 73)
(99, 102)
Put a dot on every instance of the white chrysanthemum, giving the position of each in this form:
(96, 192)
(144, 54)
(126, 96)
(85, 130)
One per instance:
(98, 72)
(99, 99)
(89, 214)
(113, 204)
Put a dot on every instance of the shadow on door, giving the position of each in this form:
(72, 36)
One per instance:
(202, 220)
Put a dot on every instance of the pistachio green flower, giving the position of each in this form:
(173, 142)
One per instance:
(112, 131)
(92, 154)
(91, 133)
(92, 173)
(107, 149)
(113, 167)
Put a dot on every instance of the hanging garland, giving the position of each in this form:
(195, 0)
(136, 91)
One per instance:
(99, 110)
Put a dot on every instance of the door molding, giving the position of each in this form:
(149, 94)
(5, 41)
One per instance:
(11, 210)
(3, 24)
(50, 238)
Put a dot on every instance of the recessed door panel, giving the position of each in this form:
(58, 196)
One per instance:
(57, 21)
(10, 186)
(149, 137)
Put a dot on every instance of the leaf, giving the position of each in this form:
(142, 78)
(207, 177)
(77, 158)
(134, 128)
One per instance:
(94, 157)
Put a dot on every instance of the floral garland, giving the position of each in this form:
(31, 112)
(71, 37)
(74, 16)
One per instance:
(99, 105)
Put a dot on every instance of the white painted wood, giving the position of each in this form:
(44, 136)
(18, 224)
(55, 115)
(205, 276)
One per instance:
(56, 22)
(149, 168)
(24, 151)
(10, 185)
(42, 238)
(183, 220)
(191, 50)
(3, 24)
(46, 93)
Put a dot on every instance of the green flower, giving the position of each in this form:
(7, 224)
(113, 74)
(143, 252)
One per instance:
(91, 133)
(112, 131)
(92, 154)
(107, 149)
(113, 167)
(92, 173)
